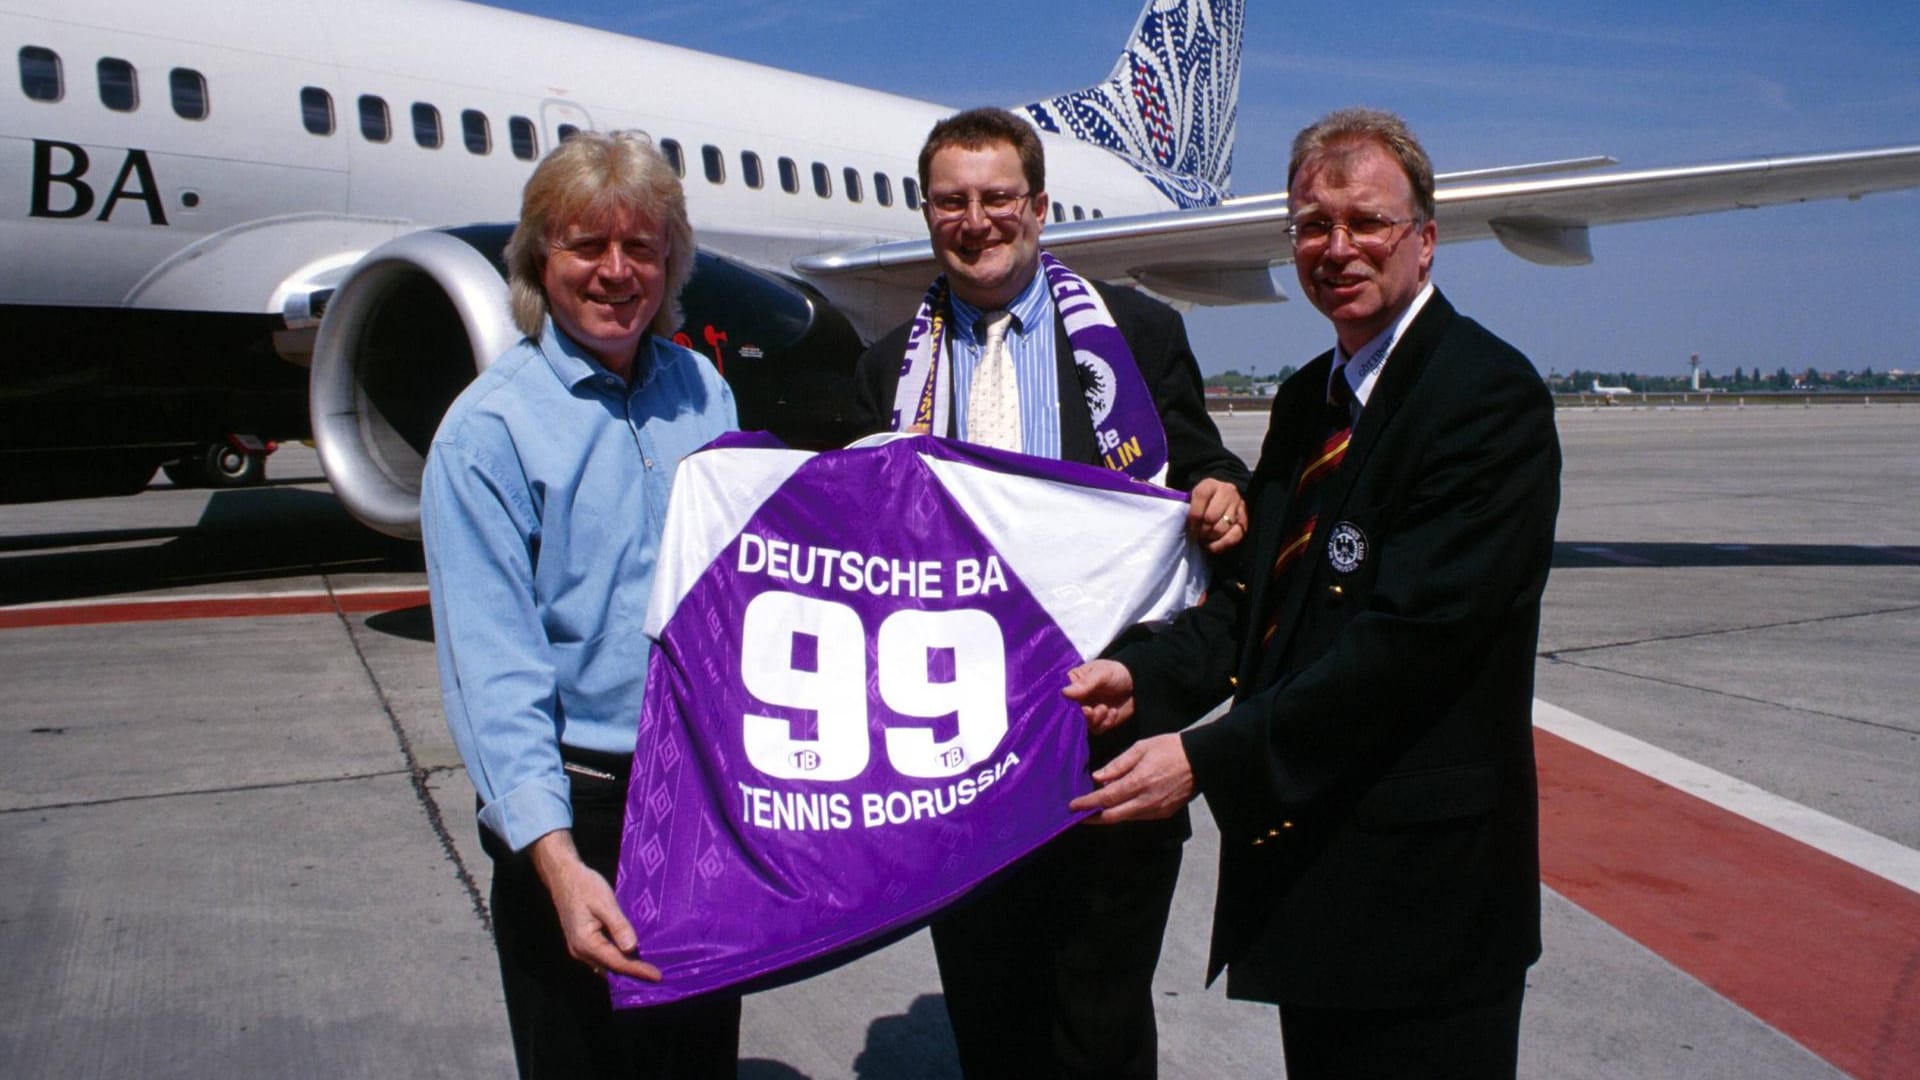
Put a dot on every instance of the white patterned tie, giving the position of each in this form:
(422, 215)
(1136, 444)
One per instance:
(993, 399)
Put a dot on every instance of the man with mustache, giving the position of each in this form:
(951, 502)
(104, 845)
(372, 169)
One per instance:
(1373, 779)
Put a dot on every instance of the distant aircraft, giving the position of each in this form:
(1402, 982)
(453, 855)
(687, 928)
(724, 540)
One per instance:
(1609, 392)
(209, 199)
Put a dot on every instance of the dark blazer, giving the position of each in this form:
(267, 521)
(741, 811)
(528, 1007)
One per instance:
(1374, 779)
(1157, 337)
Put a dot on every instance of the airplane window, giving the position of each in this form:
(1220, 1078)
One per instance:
(477, 133)
(526, 146)
(1059, 211)
(671, 148)
(911, 188)
(882, 189)
(40, 73)
(119, 90)
(853, 183)
(1079, 214)
(189, 93)
(1097, 215)
(822, 181)
(715, 164)
(789, 176)
(426, 125)
(316, 110)
(568, 131)
(374, 122)
(750, 170)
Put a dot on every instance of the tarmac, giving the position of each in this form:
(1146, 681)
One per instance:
(235, 839)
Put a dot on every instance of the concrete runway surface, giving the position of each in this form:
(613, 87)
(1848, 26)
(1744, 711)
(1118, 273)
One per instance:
(235, 839)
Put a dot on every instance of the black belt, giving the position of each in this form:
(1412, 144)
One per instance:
(600, 764)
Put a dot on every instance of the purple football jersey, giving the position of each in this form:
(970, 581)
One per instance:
(853, 710)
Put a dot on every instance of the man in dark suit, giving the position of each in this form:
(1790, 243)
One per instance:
(1048, 972)
(1373, 779)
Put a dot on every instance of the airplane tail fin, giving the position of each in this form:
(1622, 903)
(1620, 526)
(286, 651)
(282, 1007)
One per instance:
(1170, 104)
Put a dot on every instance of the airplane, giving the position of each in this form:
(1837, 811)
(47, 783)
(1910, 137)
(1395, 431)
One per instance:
(1609, 392)
(282, 219)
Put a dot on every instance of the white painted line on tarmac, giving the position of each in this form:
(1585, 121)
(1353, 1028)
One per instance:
(204, 597)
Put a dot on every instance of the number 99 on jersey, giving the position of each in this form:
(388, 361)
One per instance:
(803, 652)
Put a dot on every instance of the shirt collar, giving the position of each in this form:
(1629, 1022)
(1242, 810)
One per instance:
(1029, 309)
(1363, 374)
(574, 365)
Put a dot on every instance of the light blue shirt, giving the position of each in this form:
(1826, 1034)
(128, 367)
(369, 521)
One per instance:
(541, 508)
(1030, 345)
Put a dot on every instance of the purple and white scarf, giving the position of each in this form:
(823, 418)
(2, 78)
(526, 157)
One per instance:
(1126, 426)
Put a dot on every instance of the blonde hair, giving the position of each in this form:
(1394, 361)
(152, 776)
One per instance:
(589, 177)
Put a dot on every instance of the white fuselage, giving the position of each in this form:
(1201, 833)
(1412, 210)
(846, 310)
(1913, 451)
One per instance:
(246, 207)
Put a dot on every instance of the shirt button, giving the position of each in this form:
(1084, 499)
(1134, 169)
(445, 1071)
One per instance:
(648, 462)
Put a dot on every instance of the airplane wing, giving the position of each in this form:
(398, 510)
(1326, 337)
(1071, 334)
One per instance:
(1231, 253)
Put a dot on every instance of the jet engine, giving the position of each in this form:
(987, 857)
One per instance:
(414, 321)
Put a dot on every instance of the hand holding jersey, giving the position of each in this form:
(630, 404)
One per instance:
(597, 934)
(1216, 515)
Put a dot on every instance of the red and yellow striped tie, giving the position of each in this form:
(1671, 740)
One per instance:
(1303, 514)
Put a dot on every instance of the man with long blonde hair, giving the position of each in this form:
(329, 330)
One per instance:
(542, 505)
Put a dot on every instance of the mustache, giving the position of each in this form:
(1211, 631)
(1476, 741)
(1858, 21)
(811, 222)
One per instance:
(1325, 275)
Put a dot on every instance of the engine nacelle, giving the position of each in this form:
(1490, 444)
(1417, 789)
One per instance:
(407, 328)
(414, 321)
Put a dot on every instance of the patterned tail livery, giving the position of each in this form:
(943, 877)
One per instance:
(1169, 106)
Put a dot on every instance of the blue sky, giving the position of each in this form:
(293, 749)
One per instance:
(1834, 284)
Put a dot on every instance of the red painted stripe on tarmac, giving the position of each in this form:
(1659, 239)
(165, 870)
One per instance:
(1819, 949)
(211, 607)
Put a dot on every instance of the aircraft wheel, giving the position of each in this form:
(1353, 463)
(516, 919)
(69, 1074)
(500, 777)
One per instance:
(217, 465)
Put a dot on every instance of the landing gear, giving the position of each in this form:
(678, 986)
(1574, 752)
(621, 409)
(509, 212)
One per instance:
(237, 461)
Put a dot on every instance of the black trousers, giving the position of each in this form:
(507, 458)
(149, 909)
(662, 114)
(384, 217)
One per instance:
(1474, 1040)
(563, 1021)
(1049, 973)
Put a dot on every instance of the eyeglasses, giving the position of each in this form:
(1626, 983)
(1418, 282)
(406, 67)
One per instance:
(997, 205)
(1371, 232)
